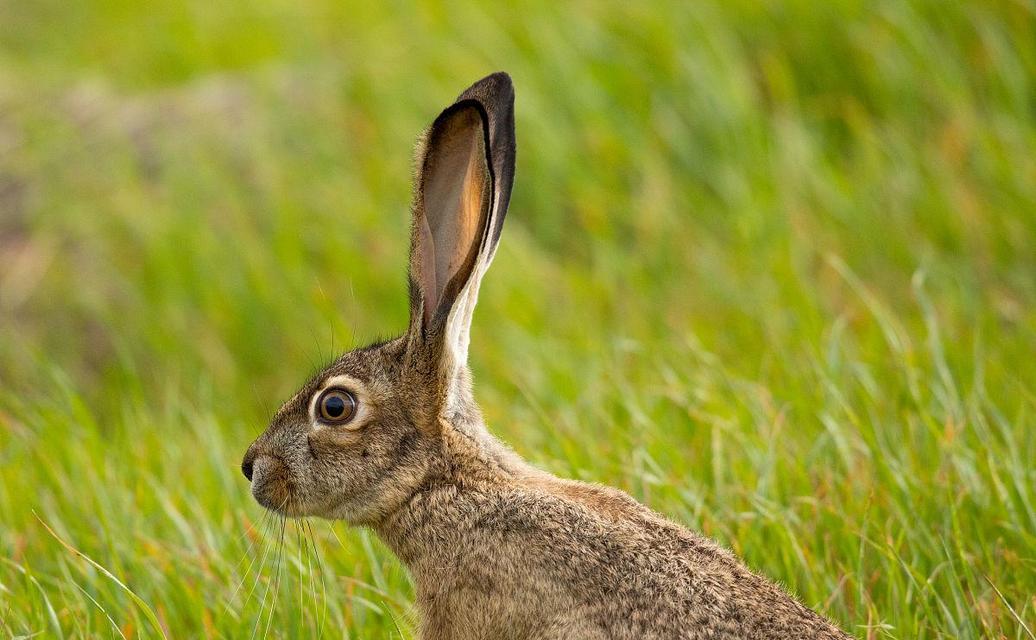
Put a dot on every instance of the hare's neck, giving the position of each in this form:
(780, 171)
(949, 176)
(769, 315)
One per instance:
(474, 465)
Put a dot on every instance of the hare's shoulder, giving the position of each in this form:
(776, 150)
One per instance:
(599, 520)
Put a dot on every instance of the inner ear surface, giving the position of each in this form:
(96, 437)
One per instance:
(456, 194)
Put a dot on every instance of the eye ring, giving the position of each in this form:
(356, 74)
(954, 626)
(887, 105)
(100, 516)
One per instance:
(336, 406)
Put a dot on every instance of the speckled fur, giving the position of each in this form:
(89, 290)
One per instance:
(497, 548)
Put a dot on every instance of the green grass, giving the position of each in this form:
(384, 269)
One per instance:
(771, 268)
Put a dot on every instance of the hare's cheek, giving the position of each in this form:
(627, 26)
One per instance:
(330, 445)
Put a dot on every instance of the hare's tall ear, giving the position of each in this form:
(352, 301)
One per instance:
(464, 176)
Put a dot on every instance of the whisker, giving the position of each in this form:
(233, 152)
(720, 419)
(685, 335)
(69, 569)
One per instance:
(302, 604)
(304, 545)
(335, 534)
(264, 402)
(248, 553)
(269, 522)
(262, 561)
(262, 604)
(323, 585)
(277, 578)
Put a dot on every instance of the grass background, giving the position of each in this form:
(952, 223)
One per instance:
(769, 267)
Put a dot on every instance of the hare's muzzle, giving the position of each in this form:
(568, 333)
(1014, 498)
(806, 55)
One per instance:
(270, 477)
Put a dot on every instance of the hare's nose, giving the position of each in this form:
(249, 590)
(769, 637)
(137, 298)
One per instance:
(246, 464)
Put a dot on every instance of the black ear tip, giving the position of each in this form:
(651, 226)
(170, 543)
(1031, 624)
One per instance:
(500, 81)
(495, 90)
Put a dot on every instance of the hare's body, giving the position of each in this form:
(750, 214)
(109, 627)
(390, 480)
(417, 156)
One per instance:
(389, 437)
(500, 550)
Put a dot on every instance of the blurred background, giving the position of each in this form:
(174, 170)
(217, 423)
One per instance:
(769, 267)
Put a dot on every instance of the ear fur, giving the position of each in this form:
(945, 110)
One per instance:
(465, 170)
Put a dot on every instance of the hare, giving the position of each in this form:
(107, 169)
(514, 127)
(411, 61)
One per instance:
(389, 437)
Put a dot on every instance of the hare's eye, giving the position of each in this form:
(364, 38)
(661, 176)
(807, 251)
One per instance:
(336, 406)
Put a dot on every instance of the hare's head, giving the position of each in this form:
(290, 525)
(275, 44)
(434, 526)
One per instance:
(361, 436)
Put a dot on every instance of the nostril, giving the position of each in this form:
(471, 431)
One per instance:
(246, 462)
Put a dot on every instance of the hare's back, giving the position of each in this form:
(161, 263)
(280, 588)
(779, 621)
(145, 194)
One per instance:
(632, 573)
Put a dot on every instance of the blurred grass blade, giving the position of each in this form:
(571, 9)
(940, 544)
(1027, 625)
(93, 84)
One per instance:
(148, 613)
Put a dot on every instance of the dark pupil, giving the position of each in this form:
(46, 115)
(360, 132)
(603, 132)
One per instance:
(334, 406)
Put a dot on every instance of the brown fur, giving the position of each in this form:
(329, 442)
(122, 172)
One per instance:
(496, 547)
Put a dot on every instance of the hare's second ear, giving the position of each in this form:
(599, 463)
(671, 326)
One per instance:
(463, 186)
